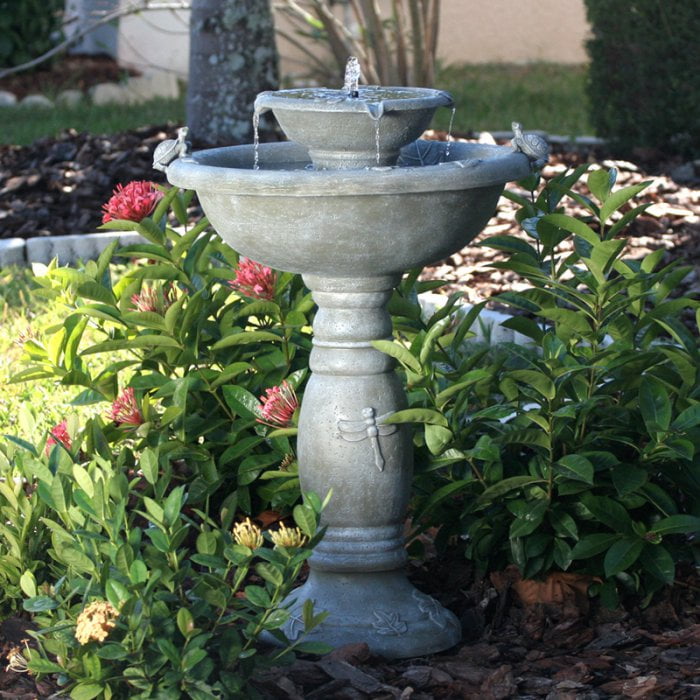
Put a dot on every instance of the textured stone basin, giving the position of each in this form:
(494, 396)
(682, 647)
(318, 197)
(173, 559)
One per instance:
(344, 223)
(341, 132)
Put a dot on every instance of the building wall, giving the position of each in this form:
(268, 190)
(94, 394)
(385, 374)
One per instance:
(471, 31)
(513, 31)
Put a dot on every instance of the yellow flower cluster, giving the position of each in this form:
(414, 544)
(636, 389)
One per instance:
(288, 537)
(248, 534)
(95, 622)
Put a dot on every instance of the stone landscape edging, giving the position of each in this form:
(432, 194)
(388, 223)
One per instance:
(67, 249)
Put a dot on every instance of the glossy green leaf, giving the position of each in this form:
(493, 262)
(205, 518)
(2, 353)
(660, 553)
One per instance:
(600, 182)
(242, 401)
(616, 199)
(246, 338)
(140, 341)
(398, 352)
(628, 478)
(687, 419)
(507, 485)
(305, 518)
(537, 380)
(655, 405)
(608, 512)
(677, 524)
(437, 438)
(185, 622)
(417, 415)
(96, 292)
(575, 467)
(658, 562)
(622, 554)
(40, 603)
(258, 596)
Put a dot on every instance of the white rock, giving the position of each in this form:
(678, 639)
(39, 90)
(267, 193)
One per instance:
(487, 137)
(12, 252)
(7, 99)
(153, 84)
(69, 98)
(109, 93)
(36, 102)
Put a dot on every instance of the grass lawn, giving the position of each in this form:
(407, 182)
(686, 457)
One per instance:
(544, 96)
(22, 126)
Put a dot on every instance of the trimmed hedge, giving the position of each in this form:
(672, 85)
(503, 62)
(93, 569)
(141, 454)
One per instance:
(644, 83)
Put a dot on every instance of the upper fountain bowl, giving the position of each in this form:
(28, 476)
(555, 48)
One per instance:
(354, 132)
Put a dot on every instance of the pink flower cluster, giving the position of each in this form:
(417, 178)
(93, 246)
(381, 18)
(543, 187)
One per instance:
(132, 202)
(278, 406)
(125, 410)
(59, 433)
(153, 299)
(254, 280)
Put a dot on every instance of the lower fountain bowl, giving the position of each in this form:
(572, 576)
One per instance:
(343, 223)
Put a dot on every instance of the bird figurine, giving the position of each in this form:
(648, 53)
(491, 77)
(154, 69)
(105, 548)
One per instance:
(167, 151)
(532, 145)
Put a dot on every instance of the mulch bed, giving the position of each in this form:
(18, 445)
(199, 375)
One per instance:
(565, 648)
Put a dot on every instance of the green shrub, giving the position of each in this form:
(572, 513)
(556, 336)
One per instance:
(141, 594)
(579, 453)
(644, 84)
(198, 356)
(28, 28)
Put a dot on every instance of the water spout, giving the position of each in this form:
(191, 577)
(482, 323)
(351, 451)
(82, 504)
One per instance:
(352, 77)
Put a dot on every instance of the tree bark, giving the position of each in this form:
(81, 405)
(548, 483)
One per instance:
(232, 58)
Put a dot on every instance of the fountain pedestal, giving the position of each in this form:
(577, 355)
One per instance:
(345, 445)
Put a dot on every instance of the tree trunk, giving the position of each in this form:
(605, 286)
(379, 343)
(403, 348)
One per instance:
(232, 58)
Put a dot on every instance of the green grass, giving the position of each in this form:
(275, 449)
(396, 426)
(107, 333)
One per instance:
(545, 96)
(22, 126)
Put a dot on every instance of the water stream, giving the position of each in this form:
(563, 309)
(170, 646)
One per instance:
(256, 139)
(352, 77)
(449, 133)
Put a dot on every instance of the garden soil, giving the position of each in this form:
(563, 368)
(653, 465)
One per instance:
(520, 639)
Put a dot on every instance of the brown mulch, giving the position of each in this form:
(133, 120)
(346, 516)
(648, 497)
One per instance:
(57, 186)
(563, 650)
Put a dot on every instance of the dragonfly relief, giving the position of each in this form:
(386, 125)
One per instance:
(370, 428)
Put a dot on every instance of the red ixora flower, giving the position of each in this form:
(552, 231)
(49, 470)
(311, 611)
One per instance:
(125, 410)
(132, 202)
(153, 299)
(254, 280)
(278, 406)
(59, 433)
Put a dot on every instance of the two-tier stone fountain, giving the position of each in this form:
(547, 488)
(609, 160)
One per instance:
(351, 203)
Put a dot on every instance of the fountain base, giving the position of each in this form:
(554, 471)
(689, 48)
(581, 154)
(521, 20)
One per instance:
(400, 622)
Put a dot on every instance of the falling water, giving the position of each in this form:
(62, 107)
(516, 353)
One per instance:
(449, 133)
(352, 77)
(256, 140)
(376, 137)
